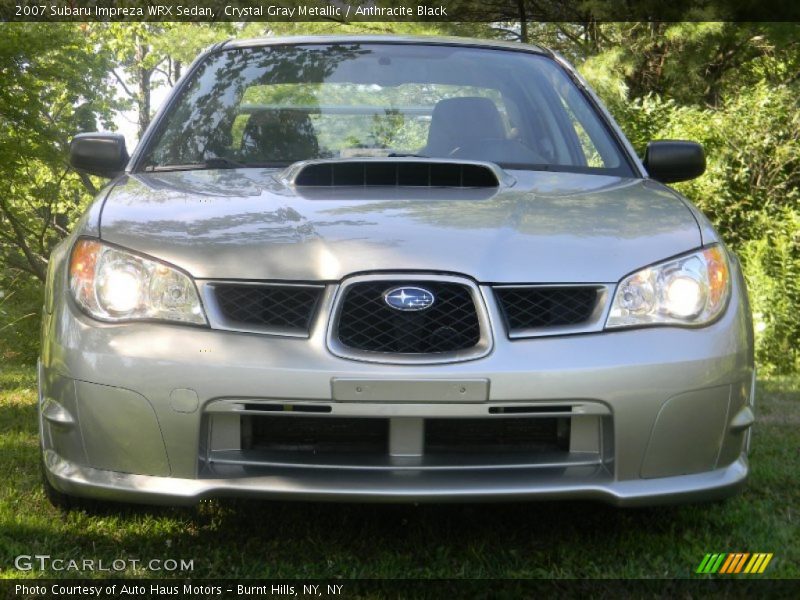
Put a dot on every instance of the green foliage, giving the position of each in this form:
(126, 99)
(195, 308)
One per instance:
(753, 158)
(695, 64)
(52, 85)
(20, 306)
(146, 56)
(772, 268)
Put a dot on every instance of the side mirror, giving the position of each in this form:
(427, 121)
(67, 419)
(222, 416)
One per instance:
(101, 154)
(669, 161)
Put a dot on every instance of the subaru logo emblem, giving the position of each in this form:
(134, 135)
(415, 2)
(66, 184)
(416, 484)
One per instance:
(409, 298)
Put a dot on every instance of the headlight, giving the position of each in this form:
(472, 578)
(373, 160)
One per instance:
(114, 285)
(691, 290)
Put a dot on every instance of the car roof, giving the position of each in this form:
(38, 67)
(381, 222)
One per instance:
(384, 39)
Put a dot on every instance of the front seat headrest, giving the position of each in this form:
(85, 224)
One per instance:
(458, 122)
(279, 136)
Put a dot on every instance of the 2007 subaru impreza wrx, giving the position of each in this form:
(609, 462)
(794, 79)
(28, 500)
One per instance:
(392, 269)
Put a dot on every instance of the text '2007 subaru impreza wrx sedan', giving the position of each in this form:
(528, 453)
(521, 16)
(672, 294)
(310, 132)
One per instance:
(393, 269)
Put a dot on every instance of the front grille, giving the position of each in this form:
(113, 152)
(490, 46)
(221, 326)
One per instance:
(315, 434)
(514, 435)
(539, 307)
(366, 322)
(482, 439)
(271, 306)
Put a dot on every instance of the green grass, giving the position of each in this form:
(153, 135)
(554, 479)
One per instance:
(275, 540)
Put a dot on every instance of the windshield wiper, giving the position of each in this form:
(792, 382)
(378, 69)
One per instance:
(222, 162)
(211, 162)
(406, 155)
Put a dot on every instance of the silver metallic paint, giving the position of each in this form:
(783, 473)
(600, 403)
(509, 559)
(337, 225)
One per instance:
(548, 228)
(536, 228)
(632, 372)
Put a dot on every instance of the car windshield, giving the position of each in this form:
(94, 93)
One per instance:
(272, 106)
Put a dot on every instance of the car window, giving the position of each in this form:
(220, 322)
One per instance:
(596, 149)
(276, 105)
(349, 120)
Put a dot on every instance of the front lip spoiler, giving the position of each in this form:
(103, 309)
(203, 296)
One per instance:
(288, 484)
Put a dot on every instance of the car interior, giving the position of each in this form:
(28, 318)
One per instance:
(288, 135)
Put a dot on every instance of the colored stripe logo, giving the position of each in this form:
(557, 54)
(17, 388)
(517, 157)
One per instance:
(734, 562)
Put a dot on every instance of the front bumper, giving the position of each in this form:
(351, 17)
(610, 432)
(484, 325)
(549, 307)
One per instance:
(128, 412)
(582, 484)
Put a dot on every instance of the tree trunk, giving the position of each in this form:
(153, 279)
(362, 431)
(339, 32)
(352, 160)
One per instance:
(523, 22)
(143, 99)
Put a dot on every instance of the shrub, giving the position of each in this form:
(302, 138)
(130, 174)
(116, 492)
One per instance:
(20, 308)
(772, 269)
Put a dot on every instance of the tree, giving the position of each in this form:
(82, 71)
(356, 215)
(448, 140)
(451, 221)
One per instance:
(695, 63)
(53, 83)
(149, 55)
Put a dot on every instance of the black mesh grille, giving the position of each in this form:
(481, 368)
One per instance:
(496, 435)
(315, 434)
(366, 322)
(281, 307)
(527, 308)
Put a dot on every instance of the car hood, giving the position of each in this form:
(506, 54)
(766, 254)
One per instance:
(546, 227)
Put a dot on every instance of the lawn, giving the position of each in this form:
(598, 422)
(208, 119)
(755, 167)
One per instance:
(234, 539)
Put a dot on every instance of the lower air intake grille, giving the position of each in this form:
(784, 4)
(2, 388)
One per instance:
(315, 434)
(367, 322)
(496, 435)
(271, 306)
(539, 307)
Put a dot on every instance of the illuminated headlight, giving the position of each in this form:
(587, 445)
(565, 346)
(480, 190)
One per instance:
(111, 284)
(691, 290)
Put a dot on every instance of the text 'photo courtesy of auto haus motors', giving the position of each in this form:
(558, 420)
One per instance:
(392, 269)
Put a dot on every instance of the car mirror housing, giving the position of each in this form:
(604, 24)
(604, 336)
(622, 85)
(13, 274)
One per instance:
(102, 154)
(670, 161)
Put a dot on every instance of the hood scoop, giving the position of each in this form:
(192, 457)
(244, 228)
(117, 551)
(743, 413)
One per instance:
(396, 172)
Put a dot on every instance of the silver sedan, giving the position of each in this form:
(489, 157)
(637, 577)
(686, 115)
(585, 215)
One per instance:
(392, 269)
